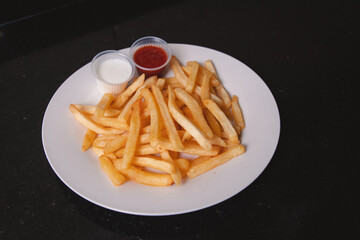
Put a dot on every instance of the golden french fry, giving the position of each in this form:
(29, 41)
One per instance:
(198, 160)
(205, 87)
(176, 174)
(192, 77)
(220, 90)
(213, 123)
(110, 122)
(155, 163)
(90, 110)
(115, 176)
(167, 119)
(196, 111)
(192, 148)
(222, 93)
(222, 119)
(161, 83)
(85, 121)
(178, 71)
(183, 165)
(134, 130)
(204, 166)
(140, 150)
(186, 69)
(104, 104)
(237, 113)
(116, 143)
(125, 95)
(186, 123)
(88, 140)
(125, 113)
(143, 177)
(154, 116)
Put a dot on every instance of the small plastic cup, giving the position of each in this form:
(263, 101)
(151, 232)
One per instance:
(152, 42)
(114, 77)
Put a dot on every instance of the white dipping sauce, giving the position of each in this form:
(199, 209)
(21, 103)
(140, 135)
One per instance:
(114, 71)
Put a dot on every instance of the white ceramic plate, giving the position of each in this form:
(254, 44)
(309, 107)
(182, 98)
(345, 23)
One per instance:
(80, 171)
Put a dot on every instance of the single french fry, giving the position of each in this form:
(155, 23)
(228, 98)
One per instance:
(116, 143)
(110, 122)
(196, 111)
(90, 110)
(198, 160)
(143, 177)
(115, 176)
(204, 166)
(134, 130)
(140, 150)
(175, 174)
(103, 104)
(155, 163)
(205, 87)
(223, 120)
(178, 71)
(125, 95)
(161, 83)
(220, 90)
(213, 123)
(192, 77)
(237, 113)
(85, 121)
(154, 116)
(88, 139)
(167, 119)
(223, 94)
(186, 123)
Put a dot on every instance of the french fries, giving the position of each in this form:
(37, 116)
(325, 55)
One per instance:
(142, 134)
(134, 131)
(186, 123)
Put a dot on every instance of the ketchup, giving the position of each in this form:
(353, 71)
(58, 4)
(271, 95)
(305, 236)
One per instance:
(150, 57)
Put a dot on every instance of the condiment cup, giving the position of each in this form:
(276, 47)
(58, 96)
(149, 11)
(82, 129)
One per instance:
(112, 71)
(150, 41)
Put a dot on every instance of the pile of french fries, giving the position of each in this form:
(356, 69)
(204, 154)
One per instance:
(141, 134)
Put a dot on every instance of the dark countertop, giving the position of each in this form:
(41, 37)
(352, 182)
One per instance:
(306, 52)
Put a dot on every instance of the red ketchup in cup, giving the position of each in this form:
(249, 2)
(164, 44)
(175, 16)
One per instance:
(150, 55)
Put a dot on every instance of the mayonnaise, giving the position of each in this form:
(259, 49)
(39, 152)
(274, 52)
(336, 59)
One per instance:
(114, 71)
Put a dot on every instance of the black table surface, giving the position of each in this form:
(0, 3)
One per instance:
(305, 51)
